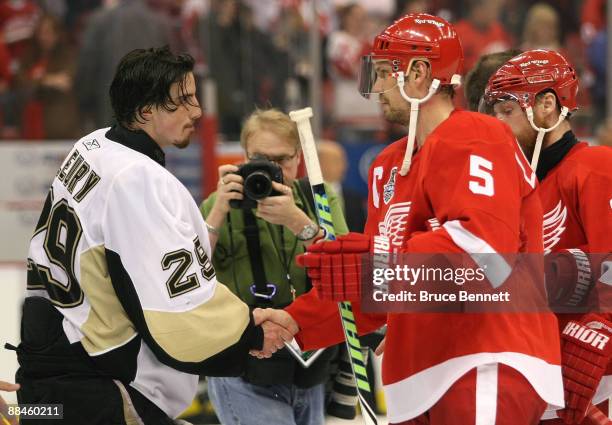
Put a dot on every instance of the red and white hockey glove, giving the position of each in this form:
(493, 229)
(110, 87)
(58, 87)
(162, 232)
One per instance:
(334, 267)
(584, 357)
(568, 278)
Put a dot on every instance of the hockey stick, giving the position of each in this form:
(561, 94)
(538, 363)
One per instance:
(313, 169)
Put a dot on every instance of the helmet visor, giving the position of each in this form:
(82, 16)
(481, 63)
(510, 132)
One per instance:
(367, 76)
(374, 68)
(489, 99)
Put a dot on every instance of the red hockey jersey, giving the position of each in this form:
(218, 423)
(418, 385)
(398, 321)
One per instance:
(576, 198)
(471, 176)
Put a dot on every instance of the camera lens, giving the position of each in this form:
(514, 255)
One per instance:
(258, 185)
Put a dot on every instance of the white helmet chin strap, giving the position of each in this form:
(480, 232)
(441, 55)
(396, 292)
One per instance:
(541, 132)
(414, 115)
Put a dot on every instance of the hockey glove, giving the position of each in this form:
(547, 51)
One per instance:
(568, 278)
(584, 357)
(334, 267)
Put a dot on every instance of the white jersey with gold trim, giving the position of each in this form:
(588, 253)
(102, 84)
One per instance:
(122, 251)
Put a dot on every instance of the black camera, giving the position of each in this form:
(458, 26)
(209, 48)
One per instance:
(258, 175)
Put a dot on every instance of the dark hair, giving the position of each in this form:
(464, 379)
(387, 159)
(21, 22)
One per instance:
(143, 79)
(476, 80)
(448, 90)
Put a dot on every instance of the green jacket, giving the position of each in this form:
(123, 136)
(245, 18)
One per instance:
(231, 259)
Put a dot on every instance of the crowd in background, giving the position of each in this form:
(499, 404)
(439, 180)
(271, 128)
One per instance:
(57, 56)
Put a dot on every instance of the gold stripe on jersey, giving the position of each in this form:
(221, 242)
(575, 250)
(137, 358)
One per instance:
(107, 324)
(195, 335)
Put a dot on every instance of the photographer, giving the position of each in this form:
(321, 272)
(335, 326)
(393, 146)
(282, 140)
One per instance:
(260, 243)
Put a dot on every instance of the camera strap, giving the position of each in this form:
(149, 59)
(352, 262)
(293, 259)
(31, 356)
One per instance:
(261, 290)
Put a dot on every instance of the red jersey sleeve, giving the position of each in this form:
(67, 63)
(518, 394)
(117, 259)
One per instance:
(320, 324)
(594, 193)
(592, 183)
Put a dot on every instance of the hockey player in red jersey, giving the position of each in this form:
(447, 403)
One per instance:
(466, 171)
(533, 93)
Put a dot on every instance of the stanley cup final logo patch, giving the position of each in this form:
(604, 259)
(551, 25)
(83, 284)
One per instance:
(389, 187)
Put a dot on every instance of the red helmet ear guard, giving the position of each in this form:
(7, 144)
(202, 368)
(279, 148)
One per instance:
(530, 73)
(416, 36)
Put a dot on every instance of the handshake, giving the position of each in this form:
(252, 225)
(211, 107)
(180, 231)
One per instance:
(278, 327)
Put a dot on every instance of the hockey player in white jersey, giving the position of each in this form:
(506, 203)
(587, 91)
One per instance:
(123, 310)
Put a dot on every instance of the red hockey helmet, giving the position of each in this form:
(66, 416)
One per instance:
(530, 73)
(415, 36)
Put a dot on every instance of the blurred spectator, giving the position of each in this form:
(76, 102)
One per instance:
(480, 32)
(382, 9)
(5, 70)
(451, 10)
(45, 80)
(191, 12)
(344, 51)
(56, 8)
(347, 45)
(291, 36)
(196, 8)
(5, 94)
(18, 19)
(552, 26)
(404, 7)
(597, 54)
(110, 33)
(333, 166)
(604, 134)
(248, 70)
(594, 19)
(76, 13)
(541, 30)
(172, 10)
(266, 13)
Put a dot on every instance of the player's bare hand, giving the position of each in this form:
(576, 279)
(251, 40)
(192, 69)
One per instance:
(274, 339)
(229, 187)
(280, 317)
(278, 326)
(7, 386)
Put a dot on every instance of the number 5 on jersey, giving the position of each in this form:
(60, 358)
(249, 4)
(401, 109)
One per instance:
(481, 168)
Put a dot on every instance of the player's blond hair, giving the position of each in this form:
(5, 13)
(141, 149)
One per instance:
(271, 120)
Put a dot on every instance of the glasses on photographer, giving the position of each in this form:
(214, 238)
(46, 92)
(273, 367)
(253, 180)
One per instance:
(280, 159)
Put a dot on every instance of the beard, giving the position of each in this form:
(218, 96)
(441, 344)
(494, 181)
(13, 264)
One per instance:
(396, 116)
(182, 144)
(527, 140)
